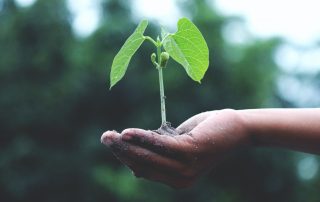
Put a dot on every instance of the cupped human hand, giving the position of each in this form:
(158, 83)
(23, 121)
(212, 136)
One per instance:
(178, 161)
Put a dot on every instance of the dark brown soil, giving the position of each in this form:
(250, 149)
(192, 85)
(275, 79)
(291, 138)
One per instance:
(167, 129)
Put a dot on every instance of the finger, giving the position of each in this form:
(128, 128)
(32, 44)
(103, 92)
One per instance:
(110, 137)
(145, 163)
(140, 154)
(203, 129)
(162, 144)
(192, 122)
(141, 157)
(136, 156)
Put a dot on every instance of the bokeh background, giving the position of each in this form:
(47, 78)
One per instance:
(55, 102)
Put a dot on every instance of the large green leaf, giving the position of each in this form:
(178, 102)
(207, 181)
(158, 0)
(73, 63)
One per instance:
(188, 47)
(121, 60)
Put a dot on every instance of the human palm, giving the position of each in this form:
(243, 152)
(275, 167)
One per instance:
(178, 161)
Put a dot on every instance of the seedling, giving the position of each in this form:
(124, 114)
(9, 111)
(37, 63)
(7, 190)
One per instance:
(186, 46)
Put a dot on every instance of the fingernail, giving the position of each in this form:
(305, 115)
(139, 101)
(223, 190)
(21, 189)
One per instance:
(106, 138)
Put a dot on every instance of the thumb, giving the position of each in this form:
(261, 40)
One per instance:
(192, 122)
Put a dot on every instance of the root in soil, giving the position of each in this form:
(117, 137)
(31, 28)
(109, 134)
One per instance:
(167, 129)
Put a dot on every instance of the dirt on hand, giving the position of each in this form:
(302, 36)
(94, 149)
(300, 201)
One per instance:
(167, 129)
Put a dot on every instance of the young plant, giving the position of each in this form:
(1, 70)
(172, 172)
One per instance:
(186, 46)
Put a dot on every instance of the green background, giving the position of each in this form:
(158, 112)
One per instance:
(55, 104)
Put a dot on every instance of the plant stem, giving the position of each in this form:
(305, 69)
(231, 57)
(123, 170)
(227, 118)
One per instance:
(162, 97)
(151, 40)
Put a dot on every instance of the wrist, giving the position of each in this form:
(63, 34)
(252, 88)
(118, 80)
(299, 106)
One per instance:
(239, 128)
(247, 125)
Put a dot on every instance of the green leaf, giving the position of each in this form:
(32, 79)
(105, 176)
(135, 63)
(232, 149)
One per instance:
(121, 60)
(188, 47)
(164, 33)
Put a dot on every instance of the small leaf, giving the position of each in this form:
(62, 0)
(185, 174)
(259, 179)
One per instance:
(153, 59)
(121, 60)
(188, 47)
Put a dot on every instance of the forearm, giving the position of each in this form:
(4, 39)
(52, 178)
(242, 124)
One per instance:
(297, 129)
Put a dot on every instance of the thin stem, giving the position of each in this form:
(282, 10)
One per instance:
(162, 97)
(151, 40)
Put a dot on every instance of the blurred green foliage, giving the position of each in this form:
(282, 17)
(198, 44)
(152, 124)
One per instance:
(55, 104)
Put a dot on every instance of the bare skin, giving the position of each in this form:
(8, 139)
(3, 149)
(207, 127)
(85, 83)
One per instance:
(207, 137)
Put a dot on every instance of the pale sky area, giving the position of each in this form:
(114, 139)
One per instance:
(298, 22)
(153, 10)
